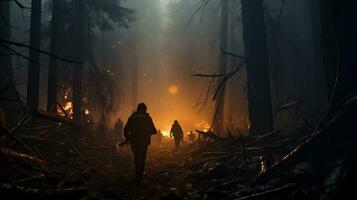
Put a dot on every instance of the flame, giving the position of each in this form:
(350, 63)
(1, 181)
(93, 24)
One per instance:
(166, 133)
(86, 111)
(204, 126)
(68, 106)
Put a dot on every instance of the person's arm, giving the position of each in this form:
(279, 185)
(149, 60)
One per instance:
(171, 131)
(127, 130)
(153, 130)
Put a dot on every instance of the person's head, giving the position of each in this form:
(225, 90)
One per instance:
(175, 122)
(141, 108)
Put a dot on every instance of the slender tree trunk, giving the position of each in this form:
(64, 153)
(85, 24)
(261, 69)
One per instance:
(231, 86)
(33, 82)
(134, 70)
(6, 72)
(218, 122)
(330, 44)
(259, 98)
(56, 32)
(80, 33)
(344, 17)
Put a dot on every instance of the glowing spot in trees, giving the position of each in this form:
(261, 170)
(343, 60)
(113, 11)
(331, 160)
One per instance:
(173, 89)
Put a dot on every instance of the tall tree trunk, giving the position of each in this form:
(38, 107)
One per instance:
(56, 32)
(33, 81)
(80, 33)
(218, 122)
(231, 85)
(259, 99)
(330, 44)
(134, 57)
(134, 74)
(6, 72)
(344, 16)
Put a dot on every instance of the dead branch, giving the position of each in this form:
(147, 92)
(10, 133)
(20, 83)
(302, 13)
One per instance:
(17, 192)
(32, 178)
(232, 54)
(63, 110)
(270, 193)
(20, 155)
(38, 50)
(77, 151)
(54, 117)
(262, 137)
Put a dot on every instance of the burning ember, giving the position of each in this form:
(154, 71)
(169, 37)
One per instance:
(203, 126)
(67, 109)
(166, 133)
(86, 112)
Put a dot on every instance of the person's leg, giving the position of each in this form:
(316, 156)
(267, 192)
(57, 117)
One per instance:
(177, 142)
(136, 155)
(141, 152)
(143, 158)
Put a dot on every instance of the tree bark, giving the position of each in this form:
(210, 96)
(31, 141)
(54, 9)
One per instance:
(134, 73)
(80, 33)
(329, 43)
(223, 62)
(342, 23)
(33, 82)
(259, 98)
(6, 72)
(57, 27)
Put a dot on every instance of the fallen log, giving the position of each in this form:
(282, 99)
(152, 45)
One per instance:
(54, 117)
(20, 155)
(270, 194)
(20, 192)
(77, 151)
(333, 140)
(261, 137)
(39, 176)
(22, 119)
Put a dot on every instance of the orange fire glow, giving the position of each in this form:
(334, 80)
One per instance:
(166, 133)
(204, 126)
(173, 89)
(86, 111)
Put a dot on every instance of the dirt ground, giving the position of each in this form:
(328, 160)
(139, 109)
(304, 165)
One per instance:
(170, 173)
(168, 170)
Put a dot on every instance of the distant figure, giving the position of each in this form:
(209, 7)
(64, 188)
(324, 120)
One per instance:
(191, 137)
(177, 132)
(118, 130)
(138, 130)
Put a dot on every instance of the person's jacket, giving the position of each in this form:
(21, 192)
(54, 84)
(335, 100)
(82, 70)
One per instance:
(176, 131)
(139, 128)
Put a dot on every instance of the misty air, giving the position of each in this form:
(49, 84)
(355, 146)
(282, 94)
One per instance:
(177, 99)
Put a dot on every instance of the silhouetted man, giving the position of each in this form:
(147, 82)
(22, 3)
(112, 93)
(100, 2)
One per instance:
(138, 130)
(177, 132)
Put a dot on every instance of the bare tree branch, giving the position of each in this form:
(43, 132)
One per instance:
(38, 50)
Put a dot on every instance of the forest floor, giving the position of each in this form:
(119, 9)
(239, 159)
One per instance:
(45, 160)
(184, 173)
(106, 171)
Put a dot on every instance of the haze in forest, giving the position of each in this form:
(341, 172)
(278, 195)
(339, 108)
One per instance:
(151, 55)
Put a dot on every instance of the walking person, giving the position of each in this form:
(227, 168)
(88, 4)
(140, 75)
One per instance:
(138, 131)
(177, 133)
